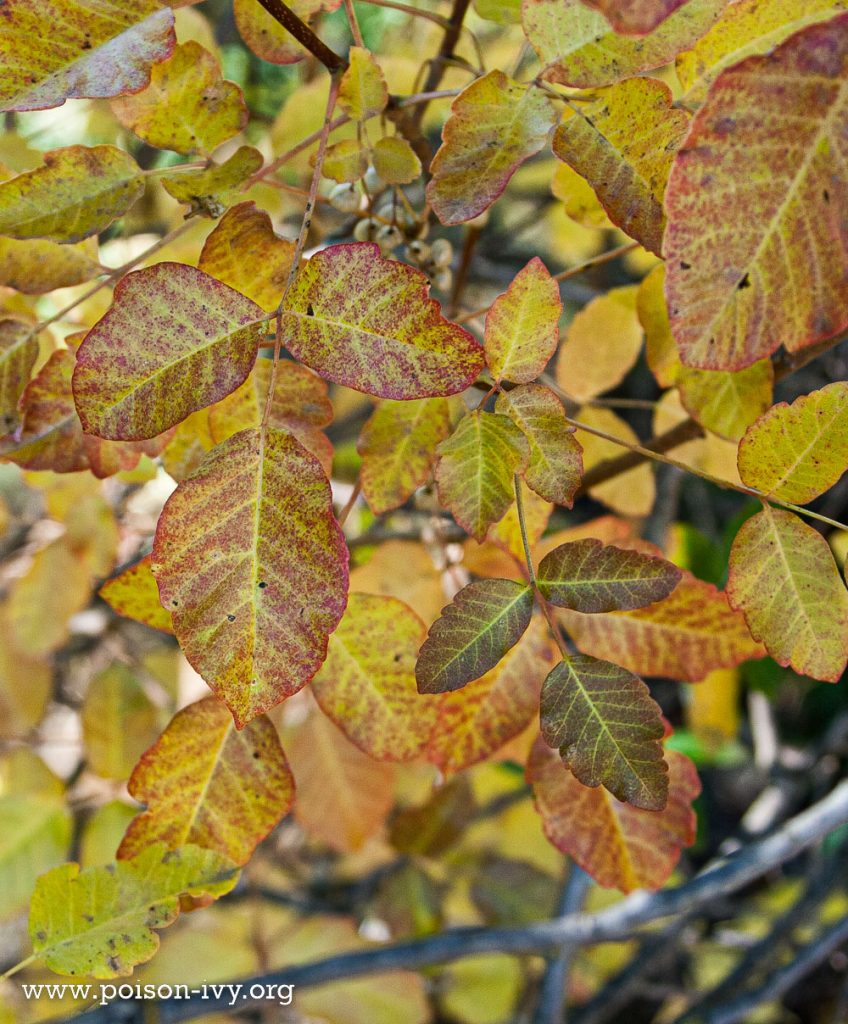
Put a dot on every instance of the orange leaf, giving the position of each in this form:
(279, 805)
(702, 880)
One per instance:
(620, 846)
(735, 295)
(203, 782)
(690, 633)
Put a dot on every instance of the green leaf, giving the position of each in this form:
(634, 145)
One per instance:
(209, 190)
(366, 322)
(555, 467)
(53, 50)
(100, 921)
(591, 577)
(398, 448)
(35, 834)
(784, 580)
(77, 192)
(522, 325)
(205, 783)
(797, 452)
(608, 729)
(173, 341)
(367, 684)
(253, 566)
(476, 468)
(495, 125)
(473, 633)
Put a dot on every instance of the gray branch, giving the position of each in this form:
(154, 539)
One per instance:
(725, 876)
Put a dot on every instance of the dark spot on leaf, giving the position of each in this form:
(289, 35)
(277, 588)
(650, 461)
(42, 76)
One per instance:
(262, 585)
(231, 618)
(309, 310)
(685, 266)
(744, 283)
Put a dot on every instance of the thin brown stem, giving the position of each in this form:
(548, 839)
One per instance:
(353, 23)
(472, 234)
(341, 518)
(282, 13)
(300, 245)
(446, 52)
(522, 526)
(415, 12)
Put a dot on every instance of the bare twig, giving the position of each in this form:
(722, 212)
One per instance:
(552, 992)
(282, 13)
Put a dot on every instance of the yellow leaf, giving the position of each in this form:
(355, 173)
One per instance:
(494, 126)
(798, 451)
(345, 161)
(746, 27)
(205, 783)
(602, 343)
(53, 50)
(631, 493)
(623, 143)
(187, 107)
(77, 192)
(119, 722)
(37, 266)
(785, 581)
(362, 91)
(367, 684)
(712, 707)
(395, 161)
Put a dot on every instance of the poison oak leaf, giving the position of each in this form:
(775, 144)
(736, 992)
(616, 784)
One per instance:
(188, 107)
(635, 17)
(265, 36)
(18, 352)
(134, 594)
(190, 442)
(738, 287)
(210, 189)
(784, 580)
(77, 192)
(253, 567)
(727, 402)
(100, 922)
(398, 448)
(555, 466)
(590, 577)
(119, 722)
(367, 683)
(395, 161)
(688, 634)
(601, 345)
(300, 407)
(506, 533)
(476, 468)
(608, 729)
(745, 27)
(631, 493)
(205, 783)
(37, 266)
(495, 125)
(362, 89)
(577, 46)
(53, 50)
(173, 341)
(343, 796)
(522, 325)
(399, 347)
(244, 252)
(623, 144)
(473, 723)
(473, 633)
(797, 452)
(620, 846)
